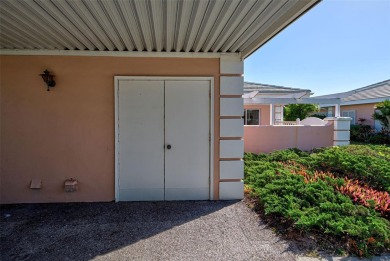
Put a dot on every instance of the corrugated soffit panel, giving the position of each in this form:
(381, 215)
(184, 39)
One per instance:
(372, 93)
(205, 26)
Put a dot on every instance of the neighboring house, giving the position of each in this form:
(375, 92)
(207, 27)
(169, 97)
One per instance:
(147, 102)
(267, 114)
(360, 103)
(265, 130)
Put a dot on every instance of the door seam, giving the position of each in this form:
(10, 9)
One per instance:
(164, 148)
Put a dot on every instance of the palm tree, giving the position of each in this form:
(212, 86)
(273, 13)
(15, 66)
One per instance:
(382, 113)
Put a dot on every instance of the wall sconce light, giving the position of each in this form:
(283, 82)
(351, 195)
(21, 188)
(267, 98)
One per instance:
(48, 79)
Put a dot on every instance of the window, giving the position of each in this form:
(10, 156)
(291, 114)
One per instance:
(351, 114)
(251, 117)
(330, 112)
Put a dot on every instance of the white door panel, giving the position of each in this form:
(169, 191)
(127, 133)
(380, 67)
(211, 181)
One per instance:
(187, 112)
(151, 115)
(141, 140)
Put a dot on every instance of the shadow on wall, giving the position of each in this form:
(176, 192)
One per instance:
(82, 231)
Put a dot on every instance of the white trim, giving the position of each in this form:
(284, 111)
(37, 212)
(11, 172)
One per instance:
(172, 78)
(326, 105)
(211, 176)
(116, 108)
(117, 53)
(231, 65)
(231, 85)
(337, 110)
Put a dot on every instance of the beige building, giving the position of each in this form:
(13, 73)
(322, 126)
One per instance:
(144, 102)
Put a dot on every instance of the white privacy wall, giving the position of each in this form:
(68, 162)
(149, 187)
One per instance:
(231, 144)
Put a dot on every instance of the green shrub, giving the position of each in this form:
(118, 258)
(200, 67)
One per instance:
(287, 155)
(368, 150)
(317, 205)
(373, 170)
(318, 115)
(381, 137)
(361, 133)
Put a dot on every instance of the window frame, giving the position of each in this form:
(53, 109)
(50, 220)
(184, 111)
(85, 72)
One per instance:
(246, 117)
(353, 121)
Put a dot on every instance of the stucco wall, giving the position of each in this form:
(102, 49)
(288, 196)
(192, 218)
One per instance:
(364, 111)
(266, 139)
(69, 131)
(264, 112)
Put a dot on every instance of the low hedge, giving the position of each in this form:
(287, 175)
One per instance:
(317, 205)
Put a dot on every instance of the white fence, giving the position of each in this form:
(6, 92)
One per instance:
(311, 121)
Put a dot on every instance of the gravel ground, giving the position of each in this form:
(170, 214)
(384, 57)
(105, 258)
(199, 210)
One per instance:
(186, 230)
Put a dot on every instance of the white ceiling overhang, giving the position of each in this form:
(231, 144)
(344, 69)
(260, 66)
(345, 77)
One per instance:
(185, 26)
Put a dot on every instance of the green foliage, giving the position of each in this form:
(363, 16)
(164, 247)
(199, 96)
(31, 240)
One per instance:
(318, 115)
(381, 137)
(316, 204)
(365, 133)
(378, 151)
(301, 111)
(361, 133)
(382, 113)
(375, 171)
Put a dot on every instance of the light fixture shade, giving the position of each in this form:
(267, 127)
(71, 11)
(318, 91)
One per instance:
(48, 79)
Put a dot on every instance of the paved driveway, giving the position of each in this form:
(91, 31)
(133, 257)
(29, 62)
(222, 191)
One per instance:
(189, 230)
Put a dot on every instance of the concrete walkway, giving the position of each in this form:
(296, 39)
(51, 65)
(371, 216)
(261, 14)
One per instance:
(138, 231)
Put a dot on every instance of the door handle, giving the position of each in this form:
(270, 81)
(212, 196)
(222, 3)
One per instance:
(169, 147)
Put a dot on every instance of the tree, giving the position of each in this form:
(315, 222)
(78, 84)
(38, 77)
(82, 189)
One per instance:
(301, 111)
(382, 113)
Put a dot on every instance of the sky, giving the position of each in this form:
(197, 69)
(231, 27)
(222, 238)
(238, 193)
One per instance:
(337, 46)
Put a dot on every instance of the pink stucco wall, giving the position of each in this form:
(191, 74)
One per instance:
(258, 139)
(69, 131)
(364, 111)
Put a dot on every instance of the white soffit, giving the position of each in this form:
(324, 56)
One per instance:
(186, 26)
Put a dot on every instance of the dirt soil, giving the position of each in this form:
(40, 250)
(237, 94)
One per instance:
(187, 230)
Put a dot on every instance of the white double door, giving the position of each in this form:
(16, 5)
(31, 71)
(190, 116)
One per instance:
(163, 140)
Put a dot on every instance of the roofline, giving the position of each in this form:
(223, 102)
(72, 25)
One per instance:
(116, 53)
(366, 101)
(277, 86)
(372, 86)
(357, 102)
(284, 101)
(351, 92)
(281, 28)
